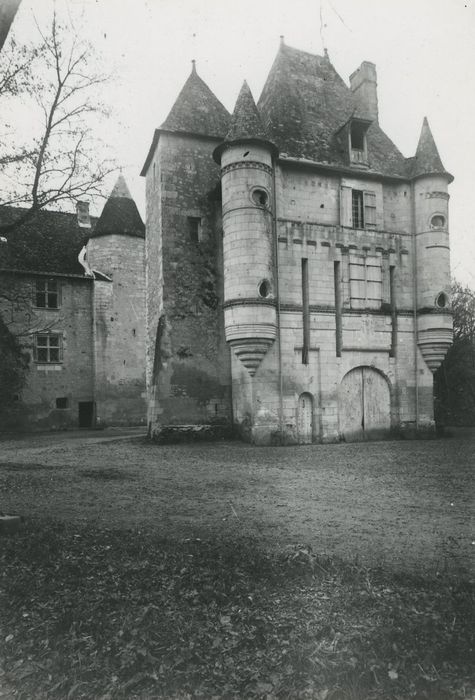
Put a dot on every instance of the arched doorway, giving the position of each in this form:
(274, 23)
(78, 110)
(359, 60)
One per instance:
(364, 404)
(305, 419)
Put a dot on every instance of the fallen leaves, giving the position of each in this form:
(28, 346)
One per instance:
(120, 614)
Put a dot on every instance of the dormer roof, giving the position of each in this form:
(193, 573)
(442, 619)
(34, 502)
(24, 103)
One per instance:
(120, 215)
(197, 110)
(427, 160)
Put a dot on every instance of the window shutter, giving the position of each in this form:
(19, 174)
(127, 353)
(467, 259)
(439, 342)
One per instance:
(346, 218)
(374, 282)
(357, 282)
(370, 209)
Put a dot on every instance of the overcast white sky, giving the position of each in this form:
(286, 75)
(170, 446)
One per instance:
(424, 51)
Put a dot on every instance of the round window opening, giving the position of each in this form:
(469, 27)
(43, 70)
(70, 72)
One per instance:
(260, 197)
(437, 221)
(442, 300)
(264, 288)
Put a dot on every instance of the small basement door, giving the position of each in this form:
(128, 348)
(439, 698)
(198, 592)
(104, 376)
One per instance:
(364, 405)
(86, 414)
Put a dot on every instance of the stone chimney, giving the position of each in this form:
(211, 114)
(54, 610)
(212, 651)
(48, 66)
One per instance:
(82, 211)
(363, 84)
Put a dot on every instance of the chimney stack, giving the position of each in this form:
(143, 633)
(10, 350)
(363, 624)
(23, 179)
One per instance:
(82, 211)
(363, 84)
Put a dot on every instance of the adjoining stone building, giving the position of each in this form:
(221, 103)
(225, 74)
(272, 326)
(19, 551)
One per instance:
(72, 288)
(298, 271)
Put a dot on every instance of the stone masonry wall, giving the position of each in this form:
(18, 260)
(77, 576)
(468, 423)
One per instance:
(189, 366)
(70, 379)
(306, 229)
(119, 329)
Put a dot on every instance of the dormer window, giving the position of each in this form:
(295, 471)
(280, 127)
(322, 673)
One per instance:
(357, 138)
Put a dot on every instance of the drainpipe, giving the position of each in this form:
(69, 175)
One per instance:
(414, 308)
(277, 294)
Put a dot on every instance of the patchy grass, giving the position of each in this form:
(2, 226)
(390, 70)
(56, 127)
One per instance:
(118, 614)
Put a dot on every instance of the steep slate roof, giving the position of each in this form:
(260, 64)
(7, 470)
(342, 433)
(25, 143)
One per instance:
(120, 214)
(197, 110)
(304, 105)
(49, 242)
(427, 160)
(246, 123)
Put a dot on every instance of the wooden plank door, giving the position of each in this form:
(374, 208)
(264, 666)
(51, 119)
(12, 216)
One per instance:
(364, 405)
(376, 405)
(305, 419)
(350, 401)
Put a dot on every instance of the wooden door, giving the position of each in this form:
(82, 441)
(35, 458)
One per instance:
(305, 419)
(364, 405)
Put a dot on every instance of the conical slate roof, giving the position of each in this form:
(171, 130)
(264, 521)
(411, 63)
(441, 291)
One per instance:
(246, 123)
(427, 160)
(120, 215)
(197, 110)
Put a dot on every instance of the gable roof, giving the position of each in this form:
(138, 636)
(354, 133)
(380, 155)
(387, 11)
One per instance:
(48, 242)
(120, 215)
(304, 105)
(197, 110)
(427, 160)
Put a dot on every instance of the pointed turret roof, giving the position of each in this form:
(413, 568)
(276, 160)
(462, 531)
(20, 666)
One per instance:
(197, 110)
(427, 160)
(120, 215)
(246, 124)
(246, 121)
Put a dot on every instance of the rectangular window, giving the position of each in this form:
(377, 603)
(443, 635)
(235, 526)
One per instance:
(47, 294)
(363, 209)
(366, 284)
(305, 312)
(62, 402)
(48, 348)
(357, 208)
(194, 229)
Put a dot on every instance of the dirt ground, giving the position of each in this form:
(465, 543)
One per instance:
(404, 505)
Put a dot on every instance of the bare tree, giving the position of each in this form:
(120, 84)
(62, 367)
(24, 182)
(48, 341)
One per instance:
(57, 156)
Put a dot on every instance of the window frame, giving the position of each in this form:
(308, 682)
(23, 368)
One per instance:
(43, 352)
(195, 229)
(364, 210)
(367, 282)
(46, 292)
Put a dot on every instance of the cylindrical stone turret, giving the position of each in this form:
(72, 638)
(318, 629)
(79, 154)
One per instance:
(247, 194)
(431, 199)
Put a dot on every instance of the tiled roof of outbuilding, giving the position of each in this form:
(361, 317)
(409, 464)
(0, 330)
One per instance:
(49, 242)
(427, 160)
(305, 103)
(120, 214)
(197, 110)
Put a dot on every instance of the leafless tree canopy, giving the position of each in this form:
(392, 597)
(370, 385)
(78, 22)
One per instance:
(54, 155)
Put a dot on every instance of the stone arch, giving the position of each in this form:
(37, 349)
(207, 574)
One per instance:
(305, 419)
(364, 405)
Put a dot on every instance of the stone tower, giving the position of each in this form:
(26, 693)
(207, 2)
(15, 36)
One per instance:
(115, 252)
(431, 199)
(247, 174)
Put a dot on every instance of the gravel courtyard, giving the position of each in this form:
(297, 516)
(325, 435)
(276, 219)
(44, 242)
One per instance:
(404, 505)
